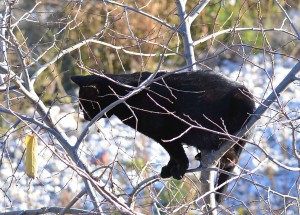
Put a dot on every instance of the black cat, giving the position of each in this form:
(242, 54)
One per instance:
(172, 111)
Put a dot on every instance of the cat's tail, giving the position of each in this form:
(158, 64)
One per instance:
(227, 163)
(241, 107)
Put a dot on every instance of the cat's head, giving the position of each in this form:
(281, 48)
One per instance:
(88, 95)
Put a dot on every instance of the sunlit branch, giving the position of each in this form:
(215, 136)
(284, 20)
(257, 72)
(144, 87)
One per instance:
(232, 30)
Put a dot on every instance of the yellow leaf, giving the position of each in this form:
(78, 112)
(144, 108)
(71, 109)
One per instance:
(240, 211)
(31, 156)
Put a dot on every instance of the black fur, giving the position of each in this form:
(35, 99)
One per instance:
(166, 107)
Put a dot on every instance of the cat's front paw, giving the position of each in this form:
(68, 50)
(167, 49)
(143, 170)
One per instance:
(174, 169)
(179, 170)
(165, 172)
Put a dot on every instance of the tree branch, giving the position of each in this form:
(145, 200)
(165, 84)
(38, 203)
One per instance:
(197, 10)
(185, 31)
(46, 210)
(138, 188)
(231, 30)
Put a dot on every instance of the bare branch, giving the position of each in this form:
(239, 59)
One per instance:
(231, 30)
(138, 188)
(47, 210)
(185, 31)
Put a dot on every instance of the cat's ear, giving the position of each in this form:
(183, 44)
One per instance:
(78, 79)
